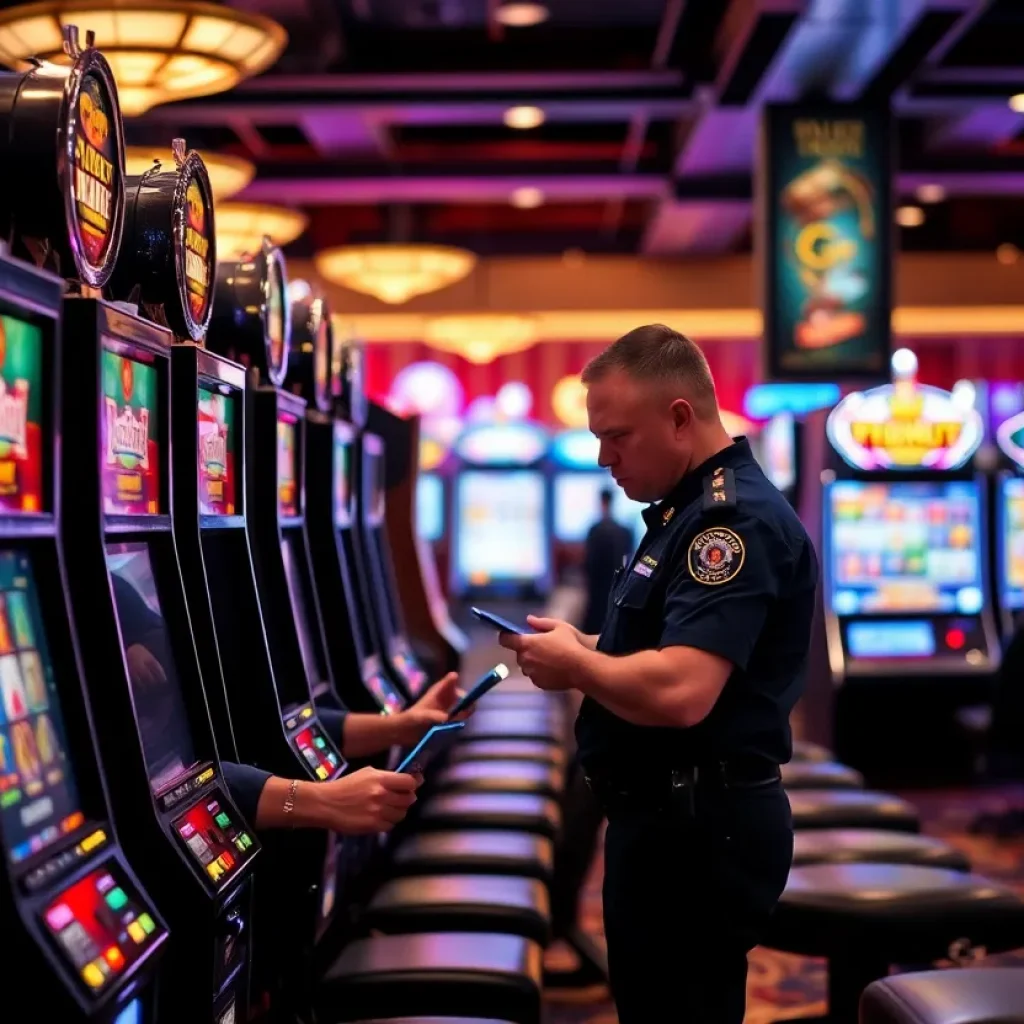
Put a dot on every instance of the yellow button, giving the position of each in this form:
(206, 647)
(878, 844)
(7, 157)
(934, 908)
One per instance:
(137, 932)
(321, 772)
(92, 975)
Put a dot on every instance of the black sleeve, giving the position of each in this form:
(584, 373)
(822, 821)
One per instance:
(333, 722)
(245, 783)
(726, 578)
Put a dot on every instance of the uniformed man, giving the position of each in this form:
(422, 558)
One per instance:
(688, 688)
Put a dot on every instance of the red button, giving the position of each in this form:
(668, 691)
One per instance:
(955, 639)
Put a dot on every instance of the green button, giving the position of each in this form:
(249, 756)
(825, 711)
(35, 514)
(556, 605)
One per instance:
(246, 841)
(319, 741)
(116, 898)
(148, 924)
(223, 820)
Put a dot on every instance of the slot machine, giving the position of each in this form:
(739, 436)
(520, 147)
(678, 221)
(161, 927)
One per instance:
(501, 515)
(244, 543)
(775, 447)
(1007, 404)
(907, 608)
(194, 850)
(83, 938)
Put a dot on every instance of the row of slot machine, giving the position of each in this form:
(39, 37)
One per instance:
(509, 505)
(179, 448)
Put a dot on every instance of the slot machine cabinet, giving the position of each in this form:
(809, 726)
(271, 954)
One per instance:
(418, 609)
(81, 932)
(276, 724)
(1007, 418)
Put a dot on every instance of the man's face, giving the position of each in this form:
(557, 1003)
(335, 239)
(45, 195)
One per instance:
(645, 436)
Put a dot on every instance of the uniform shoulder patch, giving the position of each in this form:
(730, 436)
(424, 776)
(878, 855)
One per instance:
(716, 556)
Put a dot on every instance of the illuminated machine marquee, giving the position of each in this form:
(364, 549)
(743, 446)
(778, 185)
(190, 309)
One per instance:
(1010, 438)
(905, 425)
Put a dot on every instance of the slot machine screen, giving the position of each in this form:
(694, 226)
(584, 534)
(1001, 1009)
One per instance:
(211, 835)
(218, 437)
(501, 530)
(342, 483)
(577, 506)
(430, 507)
(304, 624)
(287, 489)
(778, 451)
(1011, 569)
(21, 416)
(152, 671)
(38, 792)
(99, 928)
(375, 497)
(909, 547)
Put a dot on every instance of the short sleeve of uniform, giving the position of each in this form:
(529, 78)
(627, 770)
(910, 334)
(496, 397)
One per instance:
(333, 722)
(245, 783)
(725, 577)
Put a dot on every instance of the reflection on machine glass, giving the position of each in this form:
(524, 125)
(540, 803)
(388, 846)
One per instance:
(501, 532)
(1012, 568)
(430, 507)
(303, 623)
(904, 547)
(156, 688)
(38, 793)
(577, 500)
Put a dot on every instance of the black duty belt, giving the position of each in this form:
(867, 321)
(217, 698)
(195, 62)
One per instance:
(678, 786)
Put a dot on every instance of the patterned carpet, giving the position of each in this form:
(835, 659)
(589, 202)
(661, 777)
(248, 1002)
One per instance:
(784, 986)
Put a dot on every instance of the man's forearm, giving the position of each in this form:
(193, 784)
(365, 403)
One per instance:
(642, 688)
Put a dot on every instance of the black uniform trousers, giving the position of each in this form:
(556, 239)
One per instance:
(688, 888)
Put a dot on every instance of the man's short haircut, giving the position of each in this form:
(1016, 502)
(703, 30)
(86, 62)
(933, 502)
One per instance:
(607, 496)
(657, 353)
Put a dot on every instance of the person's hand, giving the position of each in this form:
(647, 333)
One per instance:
(547, 658)
(412, 724)
(143, 668)
(365, 802)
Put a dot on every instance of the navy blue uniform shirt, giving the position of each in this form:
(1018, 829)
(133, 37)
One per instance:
(725, 567)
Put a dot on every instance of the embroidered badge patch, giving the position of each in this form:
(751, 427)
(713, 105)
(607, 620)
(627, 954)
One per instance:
(716, 556)
(652, 562)
(642, 570)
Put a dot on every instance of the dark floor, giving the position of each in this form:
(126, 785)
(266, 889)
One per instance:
(783, 986)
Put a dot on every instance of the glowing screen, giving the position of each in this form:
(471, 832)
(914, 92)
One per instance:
(1012, 561)
(430, 507)
(577, 506)
(904, 547)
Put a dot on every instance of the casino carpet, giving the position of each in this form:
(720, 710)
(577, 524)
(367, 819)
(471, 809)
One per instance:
(783, 986)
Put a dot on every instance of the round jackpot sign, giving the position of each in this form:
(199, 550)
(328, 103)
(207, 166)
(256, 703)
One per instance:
(195, 249)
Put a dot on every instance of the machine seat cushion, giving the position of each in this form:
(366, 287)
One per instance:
(519, 725)
(806, 751)
(852, 808)
(453, 974)
(465, 903)
(501, 777)
(897, 913)
(433, 1020)
(486, 749)
(459, 811)
(871, 845)
(820, 775)
(978, 995)
(483, 853)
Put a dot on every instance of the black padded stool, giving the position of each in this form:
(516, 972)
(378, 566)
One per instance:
(806, 751)
(974, 995)
(452, 975)
(526, 812)
(433, 1020)
(820, 775)
(484, 748)
(500, 777)
(852, 808)
(865, 917)
(461, 903)
(515, 725)
(874, 846)
(475, 853)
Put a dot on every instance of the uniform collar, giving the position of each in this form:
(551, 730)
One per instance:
(692, 485)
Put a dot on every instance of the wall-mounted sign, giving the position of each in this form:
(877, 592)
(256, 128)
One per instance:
(511, 444)
(576, 449)
(826, 240)
(905, 425)
(763, 401)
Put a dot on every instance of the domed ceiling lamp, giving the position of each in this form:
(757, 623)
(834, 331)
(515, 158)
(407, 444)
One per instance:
(481, 337)
(394, 273)
(228, 174)
(241, 227)
(159, 50)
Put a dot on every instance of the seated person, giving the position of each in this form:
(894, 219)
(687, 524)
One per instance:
(362, 802)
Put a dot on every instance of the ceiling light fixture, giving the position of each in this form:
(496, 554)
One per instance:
(481, 337)
(241, 227)
(394, 273)
(524, 117)
(909, 216)
(527, 198)
(228, 174)
(516, 14)
(930, 193)
(1007, 254)
(1017, 103)
(159, 50)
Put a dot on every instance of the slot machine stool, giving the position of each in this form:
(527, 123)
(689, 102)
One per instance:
(446, 975)
(520, 812)
(475, 853)
(515, 725)
(863, 918)
(820, 775)
(978, 995)
(874, 846)
(499, 777)
(803, 750)
(851, 808)
(484, 749)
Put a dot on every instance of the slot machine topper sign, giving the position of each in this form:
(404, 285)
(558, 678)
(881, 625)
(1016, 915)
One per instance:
(1010, 439)
(905, 425)
(65, 140)
(310, 352)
